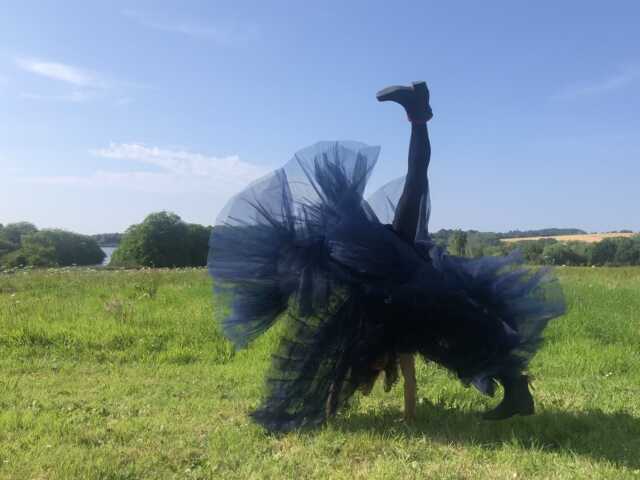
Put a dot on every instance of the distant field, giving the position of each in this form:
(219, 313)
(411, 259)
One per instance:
(588, 238)
(123, 375)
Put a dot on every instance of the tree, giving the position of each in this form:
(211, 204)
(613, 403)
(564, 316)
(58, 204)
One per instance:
(532, 250)
(13, 232)
(627, 252)
(479, 243)
(159, 241)
(37, 251)
(562, 254)
(198, 243)
(48, 248)
(458, 243)
(496, 250)
(6, 247)
(604, 252)
(69, 248)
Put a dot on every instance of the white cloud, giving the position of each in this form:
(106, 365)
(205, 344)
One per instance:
(225, 35)
(182, 162)
(62, 72)
(86, 84)
(178, 171)
(612, 82)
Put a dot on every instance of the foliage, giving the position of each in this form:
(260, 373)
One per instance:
(457, 244)
(163, 240)
(69, 248)
(198, 244)
(562, 254)
(627, 251)
(6, 246)
(22, 244)
(604, 252)
(13, 232)
(542, 251)
(532, 250)
(32, 252)
(479, 244)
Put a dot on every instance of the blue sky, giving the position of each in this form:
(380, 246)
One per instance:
(112, 110)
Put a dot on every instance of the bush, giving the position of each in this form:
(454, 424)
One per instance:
(12, 233)
(35, 252)
(163, 240)
(198, 241)
(627, 251)
(479, 244)
(533, 250)
(69, 248)
(45, 248)
(6, 247)
(562, 254)
(457, 243)
(604, 252)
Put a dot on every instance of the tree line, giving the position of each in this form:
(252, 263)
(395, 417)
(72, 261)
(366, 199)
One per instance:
(22, 244)
(163, 239)
(619, 251)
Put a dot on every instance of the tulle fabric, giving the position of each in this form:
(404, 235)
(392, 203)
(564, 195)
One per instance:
(303, 246)
(384, 200)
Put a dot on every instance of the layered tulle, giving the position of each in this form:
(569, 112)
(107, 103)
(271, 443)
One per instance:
(301, 245)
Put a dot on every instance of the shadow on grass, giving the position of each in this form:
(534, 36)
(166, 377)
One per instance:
(613, 437)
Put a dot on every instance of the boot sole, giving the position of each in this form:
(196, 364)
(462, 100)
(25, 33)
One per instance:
(526, 413)
(386, 94)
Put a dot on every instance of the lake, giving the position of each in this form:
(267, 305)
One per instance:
(108, 252)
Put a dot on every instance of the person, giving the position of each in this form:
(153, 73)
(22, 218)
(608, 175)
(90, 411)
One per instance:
(415, 101)
(362, 297)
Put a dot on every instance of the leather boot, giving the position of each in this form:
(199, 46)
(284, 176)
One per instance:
(517, 399)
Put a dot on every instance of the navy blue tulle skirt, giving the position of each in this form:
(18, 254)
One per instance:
(303, 247)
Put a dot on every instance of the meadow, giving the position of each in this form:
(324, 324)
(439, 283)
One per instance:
(125, 375)
(586, 238)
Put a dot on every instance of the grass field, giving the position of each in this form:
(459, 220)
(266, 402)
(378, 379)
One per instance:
(587, 237)
(124, 375)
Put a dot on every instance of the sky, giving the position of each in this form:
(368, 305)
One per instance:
(112, 110)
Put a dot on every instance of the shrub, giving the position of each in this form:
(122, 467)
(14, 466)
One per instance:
(604, 252)
(533, 250)
(198, 241)
(562, 254)
(627, 251)
(457, 243)
(13, 232)
(163, 240)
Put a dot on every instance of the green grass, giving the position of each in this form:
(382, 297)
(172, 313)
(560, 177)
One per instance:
(124, 375)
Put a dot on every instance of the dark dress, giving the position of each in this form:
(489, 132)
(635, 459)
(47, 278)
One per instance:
(303, 246)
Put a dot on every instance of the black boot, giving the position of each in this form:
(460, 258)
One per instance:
(517, 399)
(414, 99)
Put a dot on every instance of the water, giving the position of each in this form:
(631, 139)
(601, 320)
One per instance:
(108, 251)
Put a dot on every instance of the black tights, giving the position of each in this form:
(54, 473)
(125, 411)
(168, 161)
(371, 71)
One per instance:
(406, 218)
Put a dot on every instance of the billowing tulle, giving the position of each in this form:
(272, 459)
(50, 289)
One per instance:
(303, 241)
(384, 200)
